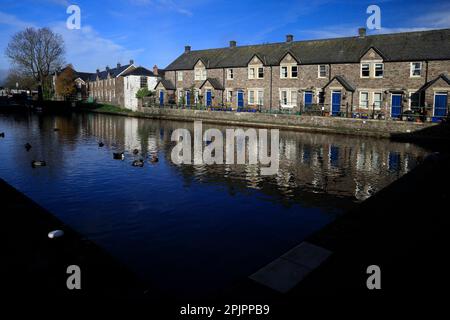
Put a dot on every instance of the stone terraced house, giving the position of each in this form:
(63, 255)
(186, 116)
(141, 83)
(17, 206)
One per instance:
(118, 86)
(380, 74)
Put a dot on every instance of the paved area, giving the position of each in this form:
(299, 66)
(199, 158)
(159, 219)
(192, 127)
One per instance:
(287, 271)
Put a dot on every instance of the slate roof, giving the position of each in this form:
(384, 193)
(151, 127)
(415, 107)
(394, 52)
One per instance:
(215, 83)
(82, 75)
(167, 84)
(442, 76)
(410, 46)
(344, 82)
(114, 72)
(139, 71)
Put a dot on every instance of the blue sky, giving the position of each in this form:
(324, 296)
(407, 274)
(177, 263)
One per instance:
(156, 31)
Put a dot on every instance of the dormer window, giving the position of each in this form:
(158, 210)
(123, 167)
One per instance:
(379, 70)
(288, 71)
(294, 72)
(416, 69)
(365, 70)
(260, 72)
(251, 73)
(200, 74)
(255, 68)
(284, 72)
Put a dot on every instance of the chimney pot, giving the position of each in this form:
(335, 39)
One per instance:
(233, 44)
(98, 70)
(362, 32)
(131, 61)
(187, 49)
(289, 38)
(118, 65)
(107, 68)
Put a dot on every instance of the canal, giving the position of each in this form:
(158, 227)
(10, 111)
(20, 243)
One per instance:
(186, 230)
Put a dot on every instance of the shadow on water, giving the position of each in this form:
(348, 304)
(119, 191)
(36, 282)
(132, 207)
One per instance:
(435, 138)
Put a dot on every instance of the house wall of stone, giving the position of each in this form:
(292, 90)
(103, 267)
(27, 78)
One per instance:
(396, 77)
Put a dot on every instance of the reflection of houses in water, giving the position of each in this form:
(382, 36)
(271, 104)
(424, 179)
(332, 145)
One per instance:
(132, 140)
(309, 162)
(109, 129)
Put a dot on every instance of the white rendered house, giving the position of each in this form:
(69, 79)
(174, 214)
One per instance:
(135, 80)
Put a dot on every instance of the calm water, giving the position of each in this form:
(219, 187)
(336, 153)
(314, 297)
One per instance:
(190, 230)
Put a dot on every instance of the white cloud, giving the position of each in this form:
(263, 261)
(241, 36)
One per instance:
(13, 21)
(87, 50)
(440, 18)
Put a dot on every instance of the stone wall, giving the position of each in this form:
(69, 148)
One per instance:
(378, 128)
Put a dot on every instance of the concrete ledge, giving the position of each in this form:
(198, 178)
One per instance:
(290, 269)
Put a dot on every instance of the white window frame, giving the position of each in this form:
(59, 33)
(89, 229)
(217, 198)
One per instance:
(260, 97)
(381, 99)
(251, 72)
(361, 70)
(251, 93)
(291, 97)
(319, 71)
(257, 72)
(179, 75)
(368, 100)
(411, 69)
(282, 76)
(292, 76)
(230, 74)
(200, 74)
(375, 70)
(229, 95)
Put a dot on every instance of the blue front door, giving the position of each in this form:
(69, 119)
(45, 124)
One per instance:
(161, 98)
(208, 98)
(335, 103)
(396, 106)
(440, 105)
(188, 98)
(308, 99)
(240, 99)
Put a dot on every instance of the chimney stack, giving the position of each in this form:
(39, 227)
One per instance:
(107, 68)
(118, 65)
(233, 44)
(155, 70)
(131, 61)
(187, 49)
(98, 70)
(289, 38)
(362, 32)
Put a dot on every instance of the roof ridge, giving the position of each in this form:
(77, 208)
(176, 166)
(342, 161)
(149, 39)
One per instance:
(325, 39)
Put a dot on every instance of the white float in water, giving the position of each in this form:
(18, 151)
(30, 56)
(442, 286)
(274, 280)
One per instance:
(55, 234)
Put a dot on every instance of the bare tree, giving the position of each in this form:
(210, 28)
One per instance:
(37, 53)
(18, 78)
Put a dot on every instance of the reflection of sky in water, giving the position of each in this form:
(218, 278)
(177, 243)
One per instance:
(191, 226)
